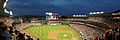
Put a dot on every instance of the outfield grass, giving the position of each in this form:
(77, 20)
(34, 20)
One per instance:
(46, 32)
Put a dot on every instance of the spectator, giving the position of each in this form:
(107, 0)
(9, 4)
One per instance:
(16, 32)
(5, 35)
(31, 39)
(37, 38)
(21, 36)
(11, 30)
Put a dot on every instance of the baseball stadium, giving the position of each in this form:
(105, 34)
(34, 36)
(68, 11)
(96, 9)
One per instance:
(59, 20)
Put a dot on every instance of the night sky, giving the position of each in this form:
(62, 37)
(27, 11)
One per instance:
(63, 7)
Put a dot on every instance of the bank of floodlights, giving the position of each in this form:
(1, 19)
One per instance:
(96, 12)
(79, 15)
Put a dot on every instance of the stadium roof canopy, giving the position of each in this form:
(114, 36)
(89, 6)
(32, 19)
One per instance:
(116, 11)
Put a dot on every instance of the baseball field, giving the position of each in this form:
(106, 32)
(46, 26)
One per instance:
(62, 32)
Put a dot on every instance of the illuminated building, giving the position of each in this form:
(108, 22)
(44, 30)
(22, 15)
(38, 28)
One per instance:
(52, 16)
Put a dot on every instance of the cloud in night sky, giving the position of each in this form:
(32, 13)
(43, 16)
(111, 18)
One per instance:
(64, 7)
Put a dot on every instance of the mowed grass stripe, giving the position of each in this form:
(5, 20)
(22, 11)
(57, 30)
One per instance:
(43, 31)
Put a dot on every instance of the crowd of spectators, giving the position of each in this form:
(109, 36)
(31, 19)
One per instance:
(111, 32)
(102, 26)
(9, 33)
(114, 24)
(85, 31)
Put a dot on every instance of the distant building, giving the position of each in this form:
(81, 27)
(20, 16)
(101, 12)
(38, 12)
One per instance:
(34, 20)
(52, 16)
(66, 19)
(99, 16)
(54, 22)
(116, 15)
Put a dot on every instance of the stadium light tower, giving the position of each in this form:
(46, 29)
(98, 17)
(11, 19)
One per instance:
(79, 15)
(73, 15)
(94, 12)
(5, 3)
(97, 12)
(11, 13)
(102, 12)
(5, 10)
(91, 13)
